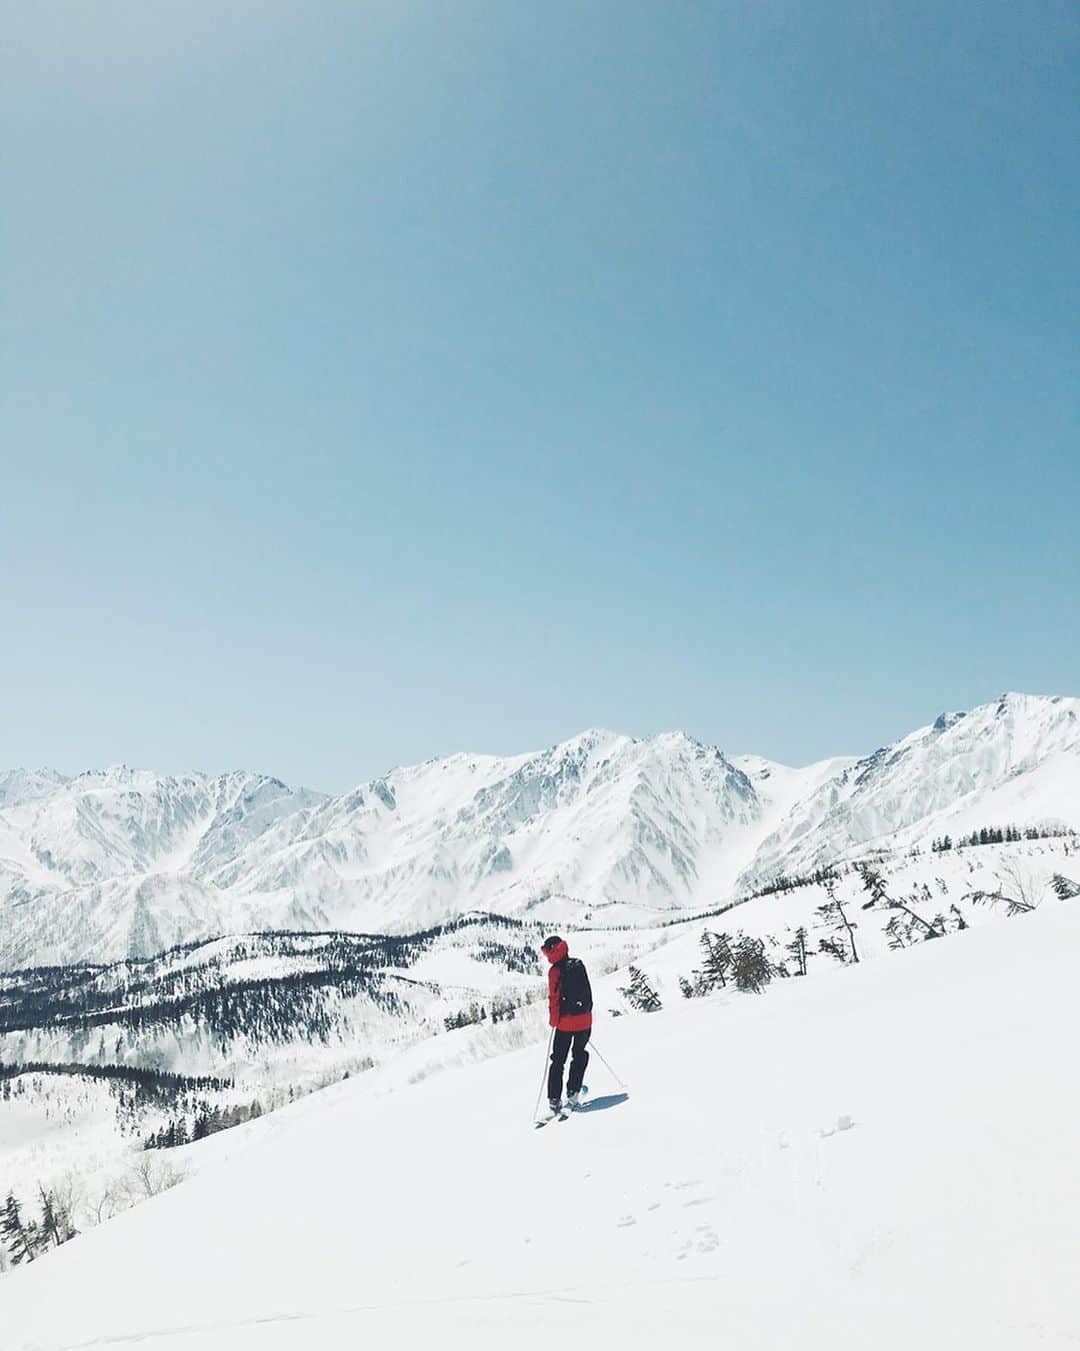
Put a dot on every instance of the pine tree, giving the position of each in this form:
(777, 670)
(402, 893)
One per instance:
(797, 948)
(718, 959)
(835, 947)
(875, 885)
(752, 969)
(56, 1226)
(640, 994)
(22, 1240)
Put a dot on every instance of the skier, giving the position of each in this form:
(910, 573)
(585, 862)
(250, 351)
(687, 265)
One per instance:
(570, 1014)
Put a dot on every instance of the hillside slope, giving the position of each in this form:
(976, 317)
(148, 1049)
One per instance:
(1014, 760)
(883, 1157)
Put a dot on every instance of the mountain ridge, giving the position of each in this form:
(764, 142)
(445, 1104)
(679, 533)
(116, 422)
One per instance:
(125, 862)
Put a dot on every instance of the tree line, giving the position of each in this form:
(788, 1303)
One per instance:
(999, 835)
(206, 1121)
(149, 995)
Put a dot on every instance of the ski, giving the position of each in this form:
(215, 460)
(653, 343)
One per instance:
(560, 1115)
(566, 1110)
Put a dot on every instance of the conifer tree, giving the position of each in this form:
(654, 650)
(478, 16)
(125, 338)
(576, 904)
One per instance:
(50, 1230)
(56, 1226)
(874, 883)
(797, 948)
(640, 994)
(752, 969)
(21, 1238)
(718, 959)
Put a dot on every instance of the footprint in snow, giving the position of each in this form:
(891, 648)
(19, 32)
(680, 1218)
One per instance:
(843, 1123)
(708, 1240)
(704, 1240)
(625, 1222)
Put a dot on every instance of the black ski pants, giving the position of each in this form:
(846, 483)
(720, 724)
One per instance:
(560, 1049)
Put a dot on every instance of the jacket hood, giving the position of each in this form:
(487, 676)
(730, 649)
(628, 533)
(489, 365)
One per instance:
(558, 952)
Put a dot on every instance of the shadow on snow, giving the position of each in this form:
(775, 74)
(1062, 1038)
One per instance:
(602, 1104)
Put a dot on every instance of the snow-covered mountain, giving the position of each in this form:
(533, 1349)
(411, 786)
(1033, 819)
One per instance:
(602, 829)
(1014, 760)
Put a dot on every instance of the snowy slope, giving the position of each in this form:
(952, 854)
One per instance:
(1014, 760)
(602, 829)
(280, 1014)
(252, 1019)
(884, 1157)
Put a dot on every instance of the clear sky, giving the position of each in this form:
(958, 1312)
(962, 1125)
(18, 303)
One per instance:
(386, 379)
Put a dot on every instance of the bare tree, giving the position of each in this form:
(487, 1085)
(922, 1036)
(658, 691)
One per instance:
(69, 1196)
(148, 1176)
(110, 1201)
(1019, 894)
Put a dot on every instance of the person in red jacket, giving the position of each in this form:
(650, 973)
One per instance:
(570, 1014)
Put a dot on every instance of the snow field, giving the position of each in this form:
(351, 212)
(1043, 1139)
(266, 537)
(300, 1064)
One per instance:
(881, 1157)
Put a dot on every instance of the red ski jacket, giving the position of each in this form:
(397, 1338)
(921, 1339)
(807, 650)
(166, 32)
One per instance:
(562, 1022)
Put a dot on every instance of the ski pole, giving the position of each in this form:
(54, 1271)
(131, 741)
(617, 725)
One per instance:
(593, 1047)
(543, 1081)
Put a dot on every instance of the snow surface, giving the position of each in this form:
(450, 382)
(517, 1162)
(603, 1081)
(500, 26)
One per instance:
(59, 1129)
(602, 830)
(883, 1157)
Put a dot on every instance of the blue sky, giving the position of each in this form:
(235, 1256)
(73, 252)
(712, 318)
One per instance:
(384, 380)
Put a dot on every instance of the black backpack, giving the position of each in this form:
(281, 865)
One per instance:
(575, 992)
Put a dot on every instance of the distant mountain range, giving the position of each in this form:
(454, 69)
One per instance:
(602, 829)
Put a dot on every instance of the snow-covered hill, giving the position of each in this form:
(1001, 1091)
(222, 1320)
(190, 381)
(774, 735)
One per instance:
(94, 1061)
(882, 1157)
(97, 1060)
(603, 829)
